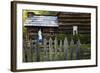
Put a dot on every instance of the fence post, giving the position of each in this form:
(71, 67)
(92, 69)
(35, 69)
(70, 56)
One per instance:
(71, 49)
(28, 52)
(78, 44)
(38, 51)
(60, 50)
(50, 49)
(45, 49)
(24, 51)
(33, 50)
(24, 55)
(55, 48)
(60, 46)
(66, 48)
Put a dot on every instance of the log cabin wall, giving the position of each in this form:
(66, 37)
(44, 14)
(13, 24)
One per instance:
(68, 20)
(32, 31)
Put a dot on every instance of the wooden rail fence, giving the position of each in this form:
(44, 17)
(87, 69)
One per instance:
(52, 50)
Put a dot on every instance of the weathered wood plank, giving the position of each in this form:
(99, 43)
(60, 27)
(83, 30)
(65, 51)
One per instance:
(78, 48)
(50, 49)
(66, 48)
(71, 49)
(45, 50)
(55, 48)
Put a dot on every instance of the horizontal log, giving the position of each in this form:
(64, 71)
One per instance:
(70, 31)
(80, 26)
(72, 17)
(73, 13)
(71, 28)
(74, 20)
(72, 24)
